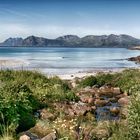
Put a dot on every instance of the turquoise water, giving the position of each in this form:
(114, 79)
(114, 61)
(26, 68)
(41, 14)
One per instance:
(70, 60)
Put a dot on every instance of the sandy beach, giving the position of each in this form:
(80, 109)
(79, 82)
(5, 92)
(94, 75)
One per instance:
(87, 73)
(6, 63)
(19, 64)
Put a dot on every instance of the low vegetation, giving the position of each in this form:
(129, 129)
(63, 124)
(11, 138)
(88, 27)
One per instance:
(23, 93)
(128, 80)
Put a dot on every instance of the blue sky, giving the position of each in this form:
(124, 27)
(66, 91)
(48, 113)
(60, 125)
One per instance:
(53, 18)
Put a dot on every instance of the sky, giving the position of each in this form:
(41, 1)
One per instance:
(53, 18)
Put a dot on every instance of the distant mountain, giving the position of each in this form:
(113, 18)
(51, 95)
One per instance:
(74, 41)
(12, 42)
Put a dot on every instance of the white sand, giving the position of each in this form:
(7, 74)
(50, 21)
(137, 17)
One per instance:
(78, 75)
(84, 74)
(11, 63)
(19, 63)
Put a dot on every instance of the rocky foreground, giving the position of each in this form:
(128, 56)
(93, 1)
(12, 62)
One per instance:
(100, 107)
(101, 104)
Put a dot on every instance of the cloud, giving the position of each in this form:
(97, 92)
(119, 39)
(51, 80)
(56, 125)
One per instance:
(51, 31)
(17, 13)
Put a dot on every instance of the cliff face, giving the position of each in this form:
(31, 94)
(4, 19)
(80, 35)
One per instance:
(74, 41)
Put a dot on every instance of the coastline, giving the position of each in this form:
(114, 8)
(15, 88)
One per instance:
(7, 63)
(19, 64)
(88, 73)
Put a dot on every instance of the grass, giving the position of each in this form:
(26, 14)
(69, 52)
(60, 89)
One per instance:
(128, 80)
(24, 92)
(134, 117)
(6, 133)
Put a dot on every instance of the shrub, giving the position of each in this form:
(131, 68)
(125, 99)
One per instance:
(6, 133)
(88, 81)
(128, 80)
(134, 117)
(103, 79)
(23, 92)
(118, 130)
(14, 106)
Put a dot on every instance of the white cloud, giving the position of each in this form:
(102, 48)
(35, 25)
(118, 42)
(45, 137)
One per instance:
(51, 31)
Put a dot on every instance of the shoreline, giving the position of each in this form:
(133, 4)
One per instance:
(88, 73)
(11, 63)
(19, 64)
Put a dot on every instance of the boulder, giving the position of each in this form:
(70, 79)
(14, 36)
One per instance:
(120, 96)
(136, 59)
(71, 109)
(51, 136)
(29, 136)
(115, 110)
(91, 100)
(81, 109)
(123, 101)
(105, 91)
(85, 97)
(99, 102)
(24, 137)
(88, 88)
(109, 91)
(45, 114)
(113, 100)
(116, 90)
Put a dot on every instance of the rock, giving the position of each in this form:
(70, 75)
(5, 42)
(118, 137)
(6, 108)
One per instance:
(123, 101)
(125, 94)
(91, 100)
(24, 137)
(72, 108)
(93, 107)
(105, 91)
(109, 91)
(81, 109)
(136, 59)
(120, 96)
(99, 102)
(100, 132)
(71, 113)
(73, 84)
(45, 114)
(51, 136)
(113, 100)
(31, 136)
(88, 88)
(95, 86)
(115, 110)
(85, 97)
(116, 90)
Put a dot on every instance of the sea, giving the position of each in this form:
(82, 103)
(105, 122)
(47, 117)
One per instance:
(55, 60)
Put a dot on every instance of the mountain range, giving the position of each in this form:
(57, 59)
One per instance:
(74, 41)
